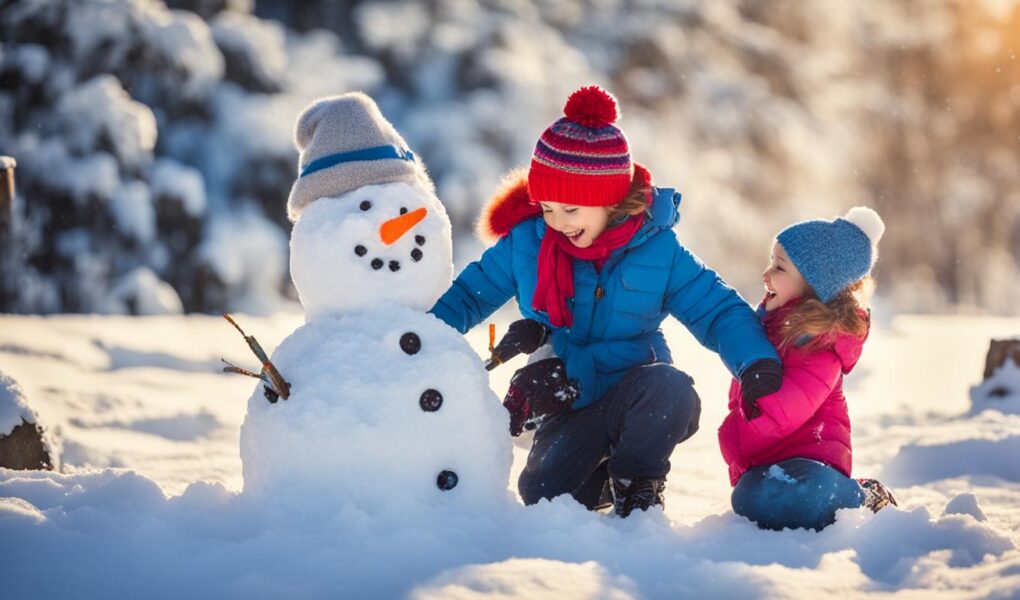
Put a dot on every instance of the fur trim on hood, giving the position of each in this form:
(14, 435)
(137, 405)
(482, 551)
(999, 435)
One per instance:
(512, 204)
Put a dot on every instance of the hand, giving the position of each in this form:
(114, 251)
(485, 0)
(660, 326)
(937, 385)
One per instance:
(537, 391)
(525, 335)
(762, 378)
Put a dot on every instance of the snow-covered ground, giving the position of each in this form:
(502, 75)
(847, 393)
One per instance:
(148, 499)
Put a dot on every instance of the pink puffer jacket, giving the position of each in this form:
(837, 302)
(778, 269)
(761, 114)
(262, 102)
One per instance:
(806, 418)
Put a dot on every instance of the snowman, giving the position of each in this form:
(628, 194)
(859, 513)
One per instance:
(389, 408)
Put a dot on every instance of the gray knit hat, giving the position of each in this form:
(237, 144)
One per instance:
(346, 143)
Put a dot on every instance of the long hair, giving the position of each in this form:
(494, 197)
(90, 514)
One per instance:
(636, 202)
(814, 319)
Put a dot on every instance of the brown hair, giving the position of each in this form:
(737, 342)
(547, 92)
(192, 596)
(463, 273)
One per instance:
(843, 314)
(635, 203)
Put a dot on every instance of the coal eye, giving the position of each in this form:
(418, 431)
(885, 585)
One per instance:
(365, 205)
(403, 210)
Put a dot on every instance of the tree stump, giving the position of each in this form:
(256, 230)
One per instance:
(25, 446)
(23, 449)
(998, 352)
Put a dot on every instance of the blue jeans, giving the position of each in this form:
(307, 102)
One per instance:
(797, 492)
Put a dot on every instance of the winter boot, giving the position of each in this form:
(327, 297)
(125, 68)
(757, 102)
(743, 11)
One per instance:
(876, 496)
(637, 493)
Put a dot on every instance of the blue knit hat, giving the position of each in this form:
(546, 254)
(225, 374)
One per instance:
(831, 255)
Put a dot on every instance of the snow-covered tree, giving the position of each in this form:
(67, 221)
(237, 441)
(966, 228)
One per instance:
(158, 140)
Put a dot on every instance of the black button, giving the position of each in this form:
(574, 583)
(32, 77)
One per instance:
(430, 400)
(410, 342)
(447, 480)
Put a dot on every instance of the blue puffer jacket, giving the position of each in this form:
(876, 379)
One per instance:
(616, 311)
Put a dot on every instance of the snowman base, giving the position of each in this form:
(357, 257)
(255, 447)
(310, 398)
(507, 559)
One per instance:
(388, 399)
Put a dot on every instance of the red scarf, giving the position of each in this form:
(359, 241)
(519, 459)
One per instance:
(556, 267)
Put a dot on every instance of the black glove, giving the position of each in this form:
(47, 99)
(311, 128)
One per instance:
(760, 379)
(525, 335)
(537, 391)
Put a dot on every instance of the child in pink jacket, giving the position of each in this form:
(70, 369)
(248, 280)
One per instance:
(789, 453)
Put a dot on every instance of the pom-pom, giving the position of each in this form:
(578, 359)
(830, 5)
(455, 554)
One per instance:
(592, 107)
(868, 221)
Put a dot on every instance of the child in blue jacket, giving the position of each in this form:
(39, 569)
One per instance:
(598, 272)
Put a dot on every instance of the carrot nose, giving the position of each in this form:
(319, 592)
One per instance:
(395, 228)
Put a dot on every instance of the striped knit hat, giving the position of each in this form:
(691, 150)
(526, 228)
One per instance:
(582, 158)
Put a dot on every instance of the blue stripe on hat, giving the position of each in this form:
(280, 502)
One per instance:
(375, 153)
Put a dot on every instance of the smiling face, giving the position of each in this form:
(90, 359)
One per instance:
(783, 282)
(379, 243)
(581, 224)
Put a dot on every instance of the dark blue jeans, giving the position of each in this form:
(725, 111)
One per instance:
(630, 432)
(797, 492)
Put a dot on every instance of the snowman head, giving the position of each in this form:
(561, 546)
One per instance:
(346, 143)
(386, 243)
(369, 227)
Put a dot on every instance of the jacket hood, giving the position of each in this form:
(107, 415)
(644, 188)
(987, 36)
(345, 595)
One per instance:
(511, 205)
(846, 346)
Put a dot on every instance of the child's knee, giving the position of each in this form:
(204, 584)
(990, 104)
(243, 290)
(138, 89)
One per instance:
(753, 496)
(530, 487)
(797, 493)
(684, 401)
(674, 391)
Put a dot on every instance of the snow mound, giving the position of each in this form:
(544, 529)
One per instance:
(216, 543)
(921, 463)
(965, 504)
(999, 392)
(528, 578)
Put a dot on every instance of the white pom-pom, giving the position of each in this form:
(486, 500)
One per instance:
(868, 221)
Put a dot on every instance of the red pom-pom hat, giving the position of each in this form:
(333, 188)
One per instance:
(583, 158)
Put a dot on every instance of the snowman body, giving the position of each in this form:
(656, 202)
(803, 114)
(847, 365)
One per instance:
(390, 409)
